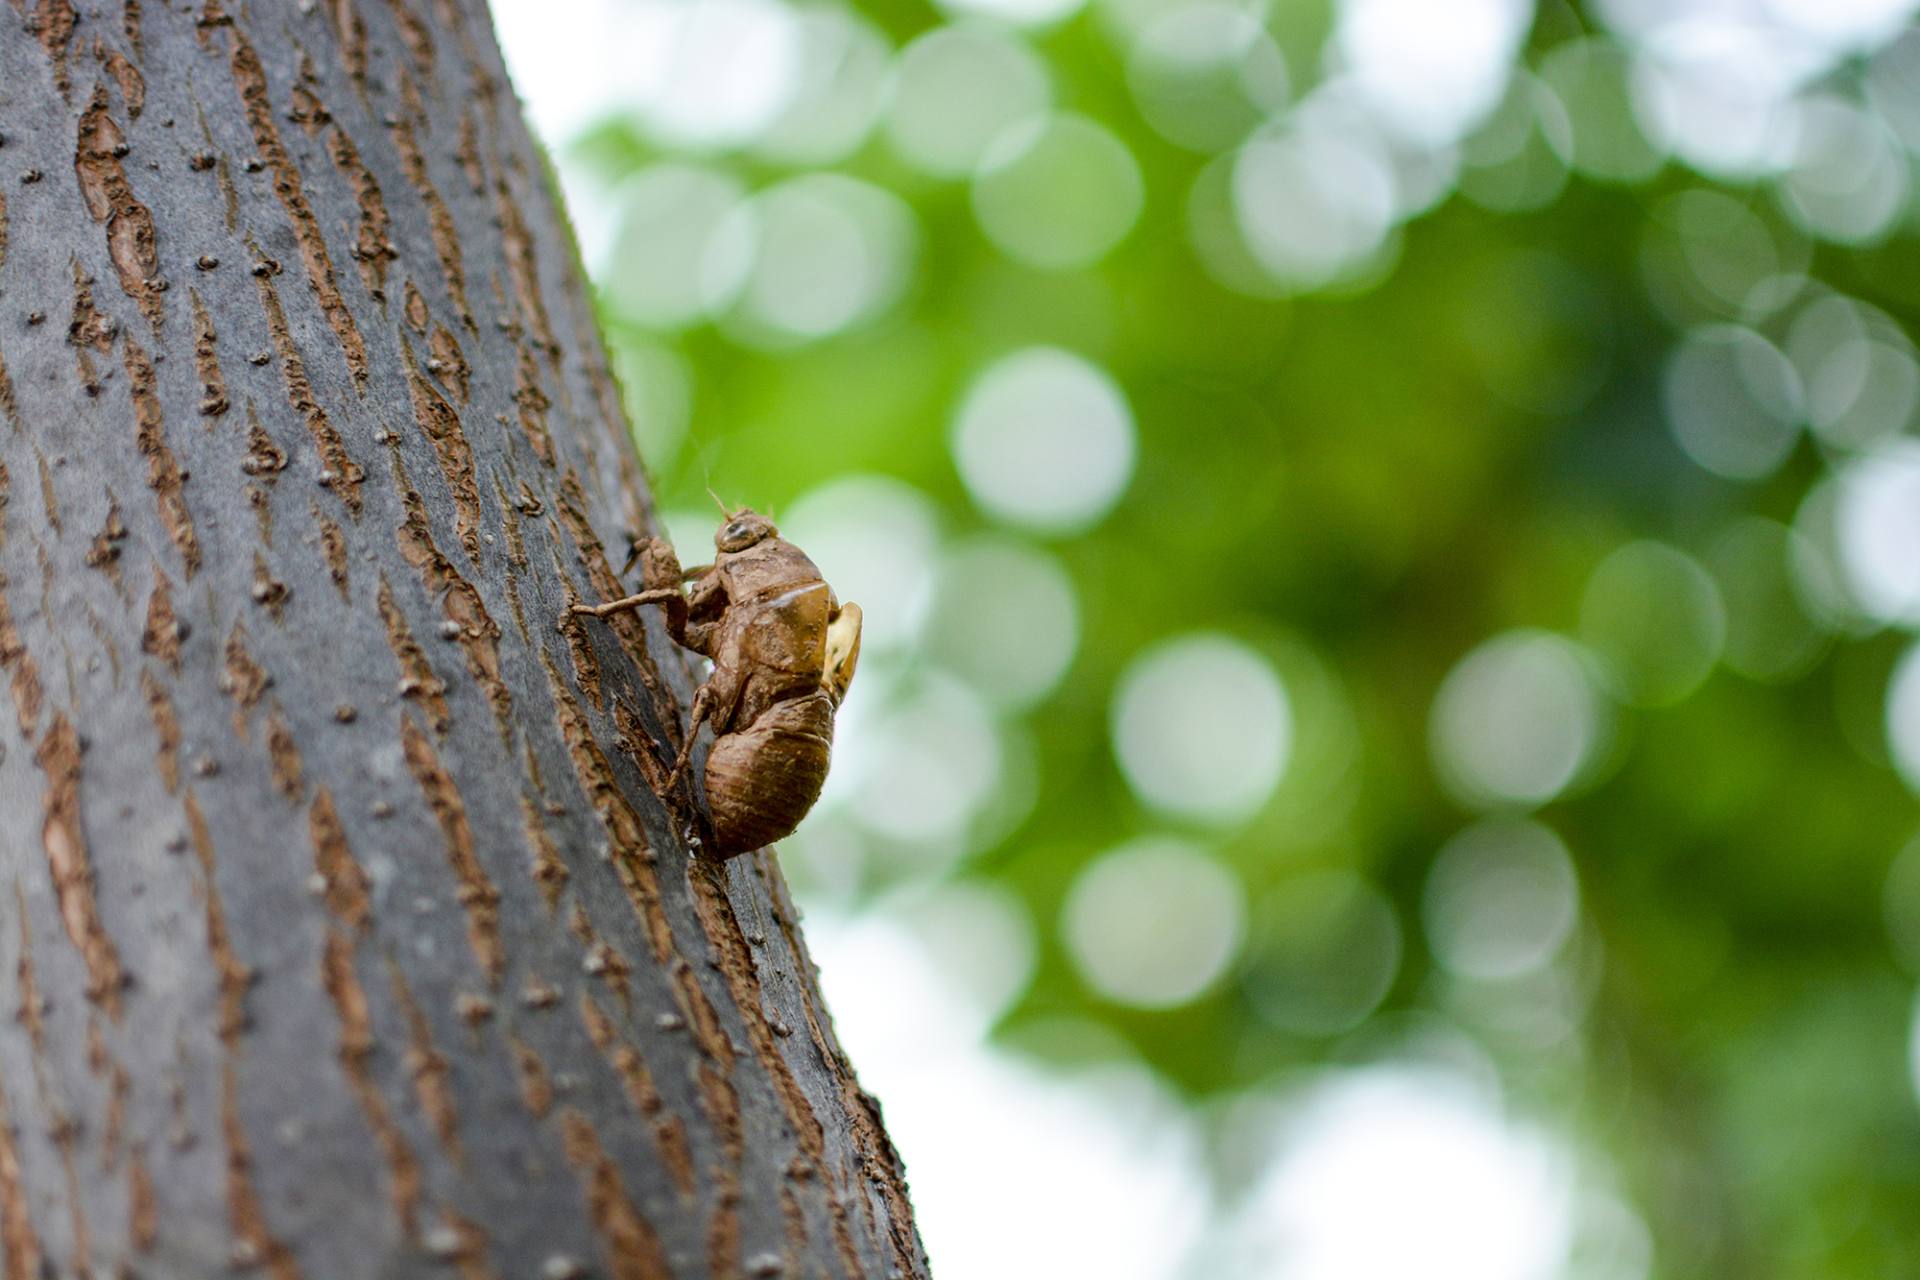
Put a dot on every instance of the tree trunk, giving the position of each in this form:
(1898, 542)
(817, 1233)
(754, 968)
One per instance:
(346, 934)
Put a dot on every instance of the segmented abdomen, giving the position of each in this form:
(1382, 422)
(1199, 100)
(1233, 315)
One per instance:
(762, 780)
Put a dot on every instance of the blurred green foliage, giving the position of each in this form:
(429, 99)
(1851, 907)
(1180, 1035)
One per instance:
(1695, 581)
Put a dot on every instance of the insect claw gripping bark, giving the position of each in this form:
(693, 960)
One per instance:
(783, 651)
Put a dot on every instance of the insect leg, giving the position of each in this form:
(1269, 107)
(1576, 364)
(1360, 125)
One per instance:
(702, 703)
(665, 595)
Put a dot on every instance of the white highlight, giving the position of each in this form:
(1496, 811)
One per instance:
(732, 69)
(1431, 71)
(1153, 923)
(925, 766)
(1007, 619)
(1849, 178)
(955, 89)
(1202, 728)
(1517, 721)
(1859, 370)
(1205, 73)
(1733, 402)
(669, 268)
(845, 63)
(1397, 1171)
(824, 253)
(1877, 522)
(1044, 440)
(1315, 198)
(1094, 1174)
(1501, 899)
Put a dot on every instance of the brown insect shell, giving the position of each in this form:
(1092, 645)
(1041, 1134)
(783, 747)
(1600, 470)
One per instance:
(772, 710)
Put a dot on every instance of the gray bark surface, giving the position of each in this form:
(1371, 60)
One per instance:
(342, 931)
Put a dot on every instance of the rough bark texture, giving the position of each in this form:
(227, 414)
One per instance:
(341, 930)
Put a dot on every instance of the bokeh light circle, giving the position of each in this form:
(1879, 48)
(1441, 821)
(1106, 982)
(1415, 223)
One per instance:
(1849, 178)
(1517, 721)
(1213, 229)
(660, 271)
(927, 765)
(1057, 192)
(1205, 73)
(1314, 204)
(1324, 949)
(844, 66)
(733, 67)
(1733, 402)
(1500, 900)
(823, 253)
(1006, 617)
(1877, 528)
(1044, 440)
(1770, 635)
(1654, 617)
(1715, 94)
(1202, 728)
(1844, 28)
(1822, 579)
(957, 88)
(1590, 78)
(1430, 71)
(1859, 370)
(1710, 251)
(1913, 1049)
(1153, 923)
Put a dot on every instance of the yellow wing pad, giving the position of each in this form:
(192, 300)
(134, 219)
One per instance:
(843, 651)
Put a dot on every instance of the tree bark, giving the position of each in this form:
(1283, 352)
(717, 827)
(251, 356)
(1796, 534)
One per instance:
(343, 929)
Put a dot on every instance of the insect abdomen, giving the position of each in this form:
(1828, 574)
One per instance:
(762, 780)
